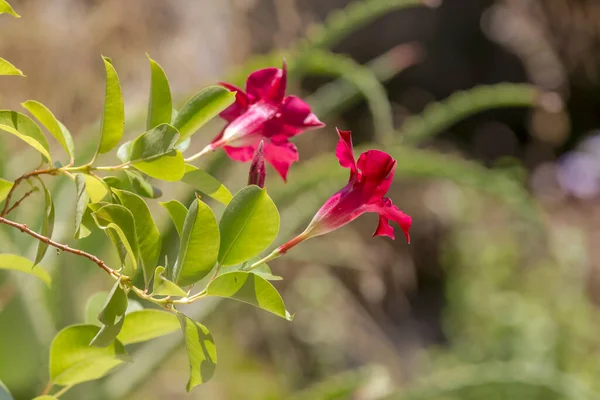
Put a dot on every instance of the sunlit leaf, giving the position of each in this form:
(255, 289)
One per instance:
(7, 68)
(207, 184)
(47, 223)
(147, 324)
(202, 353)
(146, 231)
(264, 271)
(44, 397)
(73, 361)
(54, 126)
(81, 204)
(108, 333)
(248, 226)
(199, 245)
(160, 105)
(177, 211)
(5, 187)
(141, 186)
(18, 263)
(25, 129)
(249, 288)
(5, 8)
(164, 287)
(113, 119)
(114, 306)
(95, 188)
(94, 304)
(119, 220)
(200, 109)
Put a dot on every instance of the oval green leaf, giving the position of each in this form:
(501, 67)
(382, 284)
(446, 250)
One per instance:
(163, 287)
(199, 245)
(54, 126)
(113, 118)
(119, 220)
(202, 353)
(95, 188)
(94, 304)
(207, 184)
(7, 68)
(47, 223)
(177, 211)
(81, 205)
(249, 288)
(5, 8)
(18, 263)
(147, 233)
(249, 225)
(160, 105)
(25, 129)
(141, 186)
(144, 325)
(73, 361)
(108, 333)
(200, 109)
(44, 397)
(5, 187)
(114, 306)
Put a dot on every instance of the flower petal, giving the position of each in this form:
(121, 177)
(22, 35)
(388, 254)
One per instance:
(243, 154)
(267, 84)
(387, 210)
(241, 104)
(345, 152)
(377, 172)
(251, 122)
(281, 156)
(295, 112)
(384, 228)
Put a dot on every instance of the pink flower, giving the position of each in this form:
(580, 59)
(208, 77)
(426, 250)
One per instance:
(264, 112)
(257, 173)
(370, 179)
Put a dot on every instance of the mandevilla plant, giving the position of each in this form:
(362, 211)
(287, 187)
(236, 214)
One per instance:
(215, 258)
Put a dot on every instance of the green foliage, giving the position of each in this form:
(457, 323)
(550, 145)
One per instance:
(25, 129)
(143, 325)
(5, 187)
(164, 287)
(118, 220)
(73, 361)
(178, 212)
(54, 126)
(200, 109)
(201, 351)
(18, 263)
(248, 226)
(47, 224)
(199, 245)
(207, 184)
(249, 288)
(112, 316)
(81, 206)
(113, 119)
(160, 106)
(7, 68)
(5, 8)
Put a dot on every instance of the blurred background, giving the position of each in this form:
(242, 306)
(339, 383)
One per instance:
(490, 107)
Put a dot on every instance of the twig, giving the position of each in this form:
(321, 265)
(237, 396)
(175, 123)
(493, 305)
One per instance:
(23, 228)
(20, 201)
(18, 181)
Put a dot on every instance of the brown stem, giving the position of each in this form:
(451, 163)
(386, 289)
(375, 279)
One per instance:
(26, 195)
(23, 228)
(18, 181)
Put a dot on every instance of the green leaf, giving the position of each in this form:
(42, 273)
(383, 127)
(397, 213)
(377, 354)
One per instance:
(93, 306)
(144, 325)
(114, 306)
(199, 245)
(5, 187)
(5, 394)
(73, 361)
(264, 271)
(177, 211)
(163, 286)
(249, 225)
(202, 353)
(7, 68)
(119, 220)
(146, 231)
(54, 126)
(160, 105)
(201, 108)
(47, 224)
(153, 153)
(141, 186)
(44, 397)
(249, 288)
(81, 206)
(25, 129)
(113, 119)
(207, 184)
(108, 333)
(95, 188)
(18, 263)
(5, 8)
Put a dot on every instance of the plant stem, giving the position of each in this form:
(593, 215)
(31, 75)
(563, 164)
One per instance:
(119, 167)
(62, 391)
(18, 202)
(21, 179)
(47, 388)
(202, 152)
(276, 253)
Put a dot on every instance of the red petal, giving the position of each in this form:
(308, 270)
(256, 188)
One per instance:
(281, 156)
(240, 105)
(384, 228)
(240, 153)
(377, 172)
(389, 211)
(257, 173)
(295, 112)
(345, 152)
(267, 84)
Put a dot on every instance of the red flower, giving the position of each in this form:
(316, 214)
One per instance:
(257, 173)
(370, 179)
(264, 112)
